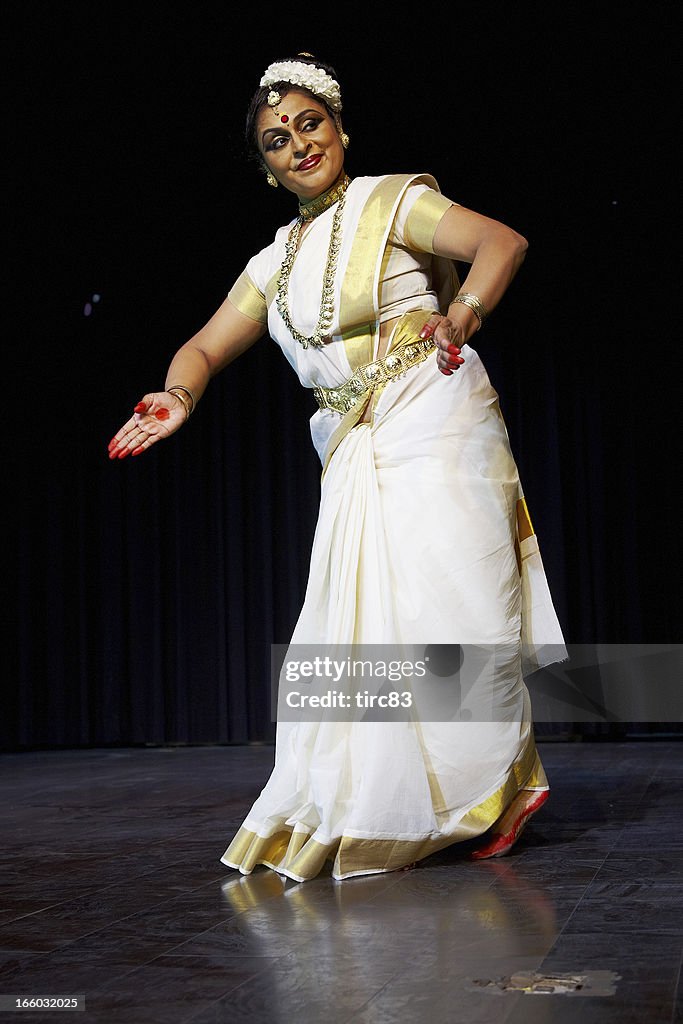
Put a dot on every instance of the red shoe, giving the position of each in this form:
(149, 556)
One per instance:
(502, 843)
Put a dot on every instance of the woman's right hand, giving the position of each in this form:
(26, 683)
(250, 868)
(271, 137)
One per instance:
(156, 416)
(448, 338)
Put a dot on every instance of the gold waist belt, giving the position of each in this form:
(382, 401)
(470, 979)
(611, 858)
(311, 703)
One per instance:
(358, 387)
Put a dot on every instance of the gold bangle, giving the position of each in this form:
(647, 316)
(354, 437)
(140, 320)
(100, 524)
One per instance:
(181, 387)
(474, 303)
(182, 399)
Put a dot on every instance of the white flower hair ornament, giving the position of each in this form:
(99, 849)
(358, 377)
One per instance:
(308, 76)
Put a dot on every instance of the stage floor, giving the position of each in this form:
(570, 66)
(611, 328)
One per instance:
(112, 889)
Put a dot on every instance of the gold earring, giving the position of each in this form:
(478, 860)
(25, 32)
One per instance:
(271, 179)
(344, 139)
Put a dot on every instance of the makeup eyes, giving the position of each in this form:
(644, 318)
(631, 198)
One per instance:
(278, 141)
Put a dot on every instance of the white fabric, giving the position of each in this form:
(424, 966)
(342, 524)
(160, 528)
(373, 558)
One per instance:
(414, 545)
(381, 573)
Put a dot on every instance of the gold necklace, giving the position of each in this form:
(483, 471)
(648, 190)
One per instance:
(317, 339)
(311, 210)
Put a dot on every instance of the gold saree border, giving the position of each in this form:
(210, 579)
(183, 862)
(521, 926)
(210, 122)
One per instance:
(524, 525)
(359, 304)
(288, 851)
(293, 853)
(357, 301)
(524, 530)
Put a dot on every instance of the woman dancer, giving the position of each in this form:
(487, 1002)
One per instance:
(423, 536)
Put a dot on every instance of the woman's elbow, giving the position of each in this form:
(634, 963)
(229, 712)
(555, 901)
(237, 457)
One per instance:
(518, 245)
(509, 244)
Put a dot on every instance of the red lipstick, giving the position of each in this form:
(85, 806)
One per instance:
(310, 161)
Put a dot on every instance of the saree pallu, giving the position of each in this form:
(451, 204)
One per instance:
(422, 538)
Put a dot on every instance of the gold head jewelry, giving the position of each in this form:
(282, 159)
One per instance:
(274, 100)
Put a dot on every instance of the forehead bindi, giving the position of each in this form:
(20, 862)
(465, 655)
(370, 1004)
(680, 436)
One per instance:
(291, 106)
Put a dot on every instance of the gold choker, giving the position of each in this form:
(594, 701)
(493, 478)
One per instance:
(311, 210)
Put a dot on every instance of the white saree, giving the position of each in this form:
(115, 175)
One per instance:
(374, 796)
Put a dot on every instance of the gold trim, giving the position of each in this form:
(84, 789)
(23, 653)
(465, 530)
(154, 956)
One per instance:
(247, 298)
(423, 220)
(524, 526)
(249, 849)
(358, 303)
(524, 530)
(294, 854)
(358, 856)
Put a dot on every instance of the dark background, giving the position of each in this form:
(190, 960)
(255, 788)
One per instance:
(142, 595)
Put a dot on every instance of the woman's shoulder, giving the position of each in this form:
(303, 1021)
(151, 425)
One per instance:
(396, 176)
(393, 176)
(394, 183)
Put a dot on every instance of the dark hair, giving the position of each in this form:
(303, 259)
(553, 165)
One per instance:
(260, 99)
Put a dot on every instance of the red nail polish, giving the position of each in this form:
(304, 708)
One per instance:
(447, 373)
(140, 407)
(162, 414)
(114, 453)
(454, 349)
(112, 444)
(123, 452)
(137, 451)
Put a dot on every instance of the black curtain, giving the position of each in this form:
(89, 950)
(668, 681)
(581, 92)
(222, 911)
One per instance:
(142, 596)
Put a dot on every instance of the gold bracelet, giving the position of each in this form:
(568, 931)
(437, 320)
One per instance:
(474, 303)
(177, 392)
(187, 392)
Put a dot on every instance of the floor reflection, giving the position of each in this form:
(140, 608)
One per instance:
(432, 909)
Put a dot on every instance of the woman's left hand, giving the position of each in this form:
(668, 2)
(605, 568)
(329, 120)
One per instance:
(448, 339)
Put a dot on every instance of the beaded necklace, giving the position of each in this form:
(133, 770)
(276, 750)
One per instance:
(307, 212)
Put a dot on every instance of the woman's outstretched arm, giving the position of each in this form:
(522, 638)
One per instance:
(159, 414)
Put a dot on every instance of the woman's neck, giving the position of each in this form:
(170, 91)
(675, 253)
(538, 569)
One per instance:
(312, 208)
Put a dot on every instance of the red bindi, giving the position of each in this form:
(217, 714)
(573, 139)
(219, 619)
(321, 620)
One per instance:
(284, 118)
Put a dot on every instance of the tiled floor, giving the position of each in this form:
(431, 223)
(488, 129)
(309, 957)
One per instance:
(112, 888)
